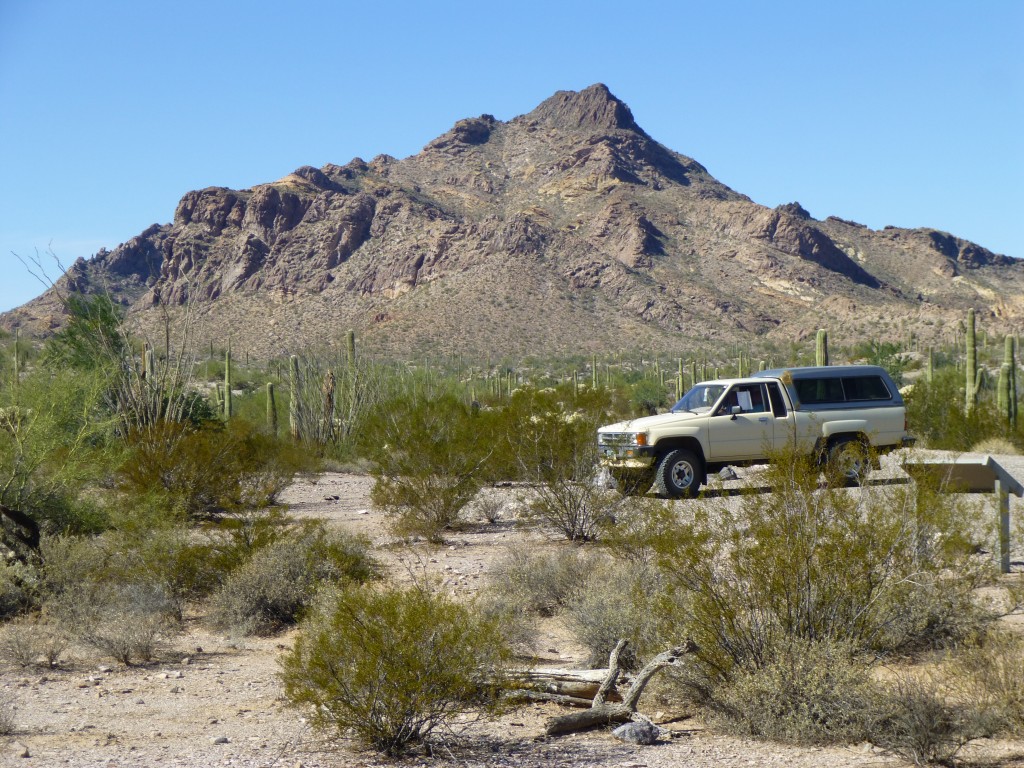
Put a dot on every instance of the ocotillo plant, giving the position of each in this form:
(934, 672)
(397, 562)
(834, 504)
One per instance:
(821, 347)
(328, 390)
(293, 397)
(973, 373)
(227, 382)
(271, 409)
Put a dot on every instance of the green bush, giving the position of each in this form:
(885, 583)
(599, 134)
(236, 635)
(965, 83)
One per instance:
(871, 568)
(431, 456)
(935, 412)
(543, 582)
(805, 693)
(165, 556)
(31, 640)
(214, 468)
(546, 437)
(270, 590)
(918, 722)
(620, 600)
(394, 667)
(125, 621)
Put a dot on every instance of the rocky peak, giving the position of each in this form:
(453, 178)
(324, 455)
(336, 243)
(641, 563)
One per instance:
(594, 107)
(794, 209)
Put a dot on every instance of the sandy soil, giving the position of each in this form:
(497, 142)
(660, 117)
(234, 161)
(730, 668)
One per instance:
(216, 701)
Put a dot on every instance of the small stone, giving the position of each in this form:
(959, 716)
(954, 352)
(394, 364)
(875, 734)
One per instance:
(221, 740)
(177, 689)
(212, 721)
(642, 732)
(104, 670)
(140, 701)
(363, 512)
(19, 750)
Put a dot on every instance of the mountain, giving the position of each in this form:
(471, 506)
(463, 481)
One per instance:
(567, 229)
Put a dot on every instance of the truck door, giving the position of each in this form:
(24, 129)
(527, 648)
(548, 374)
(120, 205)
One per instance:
(746, 434)
(784, 420)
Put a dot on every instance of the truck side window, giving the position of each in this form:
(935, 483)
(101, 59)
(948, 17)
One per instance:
(778, 403)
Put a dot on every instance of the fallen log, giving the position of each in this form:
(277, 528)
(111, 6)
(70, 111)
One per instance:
(603, 712)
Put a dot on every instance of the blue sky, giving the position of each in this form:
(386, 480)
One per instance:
(905, 113)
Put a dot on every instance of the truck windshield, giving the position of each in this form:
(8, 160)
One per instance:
(699, 399)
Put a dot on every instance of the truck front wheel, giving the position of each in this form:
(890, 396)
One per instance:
(679, 474)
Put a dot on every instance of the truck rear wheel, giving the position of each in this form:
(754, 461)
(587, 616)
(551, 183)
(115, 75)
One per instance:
(680, 473)
(848, 463)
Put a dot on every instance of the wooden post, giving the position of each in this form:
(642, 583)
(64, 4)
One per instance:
(1003, 506)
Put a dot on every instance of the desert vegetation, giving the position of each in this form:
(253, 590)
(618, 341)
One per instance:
(139, 488)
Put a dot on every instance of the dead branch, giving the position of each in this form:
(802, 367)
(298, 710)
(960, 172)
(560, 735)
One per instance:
(604, 713)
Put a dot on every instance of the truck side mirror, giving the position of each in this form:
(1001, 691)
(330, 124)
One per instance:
(734, 410)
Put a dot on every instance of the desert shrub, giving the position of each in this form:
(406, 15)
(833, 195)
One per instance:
(54, 441)
(619, 600)
(164, 555)
(997, 445)
(917, 721)
(804, 693)
(518, 627)
(888, 568)
(125, 621)
(430, 455)
(394, 667)
(935, 412)
(990, 673)
(543, 582)
(31, 640)
(271, 589)
(547, 438)
(19, 588)
(210, 468)
(8, 710)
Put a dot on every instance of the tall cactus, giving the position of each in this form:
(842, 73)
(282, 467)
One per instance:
(328, 387)
(227, 382)
(973, 373)
(821, 347)
(1010, 364)
(148, 364)
(271, 409)
(293, 398)
(930, 372)
(350, 348)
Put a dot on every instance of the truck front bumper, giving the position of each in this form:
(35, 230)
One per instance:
(632, 457)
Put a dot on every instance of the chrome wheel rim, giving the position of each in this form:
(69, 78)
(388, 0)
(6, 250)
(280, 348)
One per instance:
(682, 475)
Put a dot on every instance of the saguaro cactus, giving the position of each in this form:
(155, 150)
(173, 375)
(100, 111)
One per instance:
(293, 397)
(227, 382)
(350, 346)
(973, 373)
(1010, 364)
(148, 364)
(821, 347)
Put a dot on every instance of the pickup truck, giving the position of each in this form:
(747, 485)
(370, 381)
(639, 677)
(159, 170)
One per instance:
(840, 415)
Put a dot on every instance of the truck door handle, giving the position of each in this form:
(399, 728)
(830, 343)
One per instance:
(763, 419)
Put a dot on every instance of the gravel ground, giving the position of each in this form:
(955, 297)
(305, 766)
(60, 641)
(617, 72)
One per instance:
(215, 701)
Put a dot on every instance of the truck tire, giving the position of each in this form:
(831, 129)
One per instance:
(680, 474)
(633, 482)
(848, 463)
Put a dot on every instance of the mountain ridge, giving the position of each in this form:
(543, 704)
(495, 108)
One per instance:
(566, 229)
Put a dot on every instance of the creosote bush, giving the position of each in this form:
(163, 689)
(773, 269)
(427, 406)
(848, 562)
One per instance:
(32, 641)
(394, 667)
(271, 589)
(790, 595)
(210, 468)
(431, 455)
(125, 621)
(543, 582)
